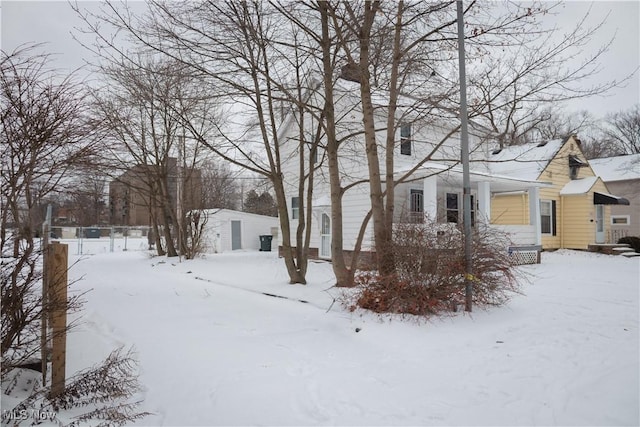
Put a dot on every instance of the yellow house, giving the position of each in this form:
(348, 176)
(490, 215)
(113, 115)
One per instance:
(574, 209)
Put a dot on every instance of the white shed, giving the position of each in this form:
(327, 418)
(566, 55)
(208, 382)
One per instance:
(228, 230)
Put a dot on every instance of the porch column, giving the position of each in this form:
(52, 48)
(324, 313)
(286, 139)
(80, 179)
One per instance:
(534, 213)
(484, 202)
(430, 197)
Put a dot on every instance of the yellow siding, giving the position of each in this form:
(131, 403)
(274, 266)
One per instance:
(577, 213)
(512, 209)
(557, 171)
(574, 213)
(553, 242)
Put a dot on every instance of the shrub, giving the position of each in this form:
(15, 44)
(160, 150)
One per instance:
(430, 272)
(632, 241)
(101, 395)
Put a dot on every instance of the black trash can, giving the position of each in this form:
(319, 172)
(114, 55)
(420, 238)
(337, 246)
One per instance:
(92, 233)
(265, 243)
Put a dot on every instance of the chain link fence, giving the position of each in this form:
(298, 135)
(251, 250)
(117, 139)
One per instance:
(96, 240)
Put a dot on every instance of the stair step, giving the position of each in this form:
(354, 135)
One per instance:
(622, 250)
(630, 254)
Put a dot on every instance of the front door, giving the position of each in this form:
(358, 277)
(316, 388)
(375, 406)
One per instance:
(236, 236)
(325, 236)
(600, 224)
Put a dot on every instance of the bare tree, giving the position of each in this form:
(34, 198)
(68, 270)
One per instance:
(44, 135)
(85, 197)
(245, 55)
(622, 130)
(140, 109)
(219, 186)
(517, 84)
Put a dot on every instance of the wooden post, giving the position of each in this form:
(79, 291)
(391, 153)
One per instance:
(57, 266)
(44, 322)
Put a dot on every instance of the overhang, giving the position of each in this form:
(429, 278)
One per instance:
(608, 199)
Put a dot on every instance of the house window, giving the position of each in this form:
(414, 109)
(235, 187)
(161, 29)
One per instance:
(417, 203)
(405, 139)
(313, 154)
(620, 219)
(295, 207)
(548, 217)
(452, 207)
(473, 210)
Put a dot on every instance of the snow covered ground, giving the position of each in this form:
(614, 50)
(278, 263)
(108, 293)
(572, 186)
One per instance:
(215, 350)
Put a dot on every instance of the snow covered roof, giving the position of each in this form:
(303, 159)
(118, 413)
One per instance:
(525, 161)
(453, 175)
(578, 186)
(618, 168)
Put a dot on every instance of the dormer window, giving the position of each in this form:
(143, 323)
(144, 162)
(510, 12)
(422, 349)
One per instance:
(574, 165)
(405, 139)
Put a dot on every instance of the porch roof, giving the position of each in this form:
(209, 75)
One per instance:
(452, 175)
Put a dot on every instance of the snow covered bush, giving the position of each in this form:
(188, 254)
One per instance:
(430, 272)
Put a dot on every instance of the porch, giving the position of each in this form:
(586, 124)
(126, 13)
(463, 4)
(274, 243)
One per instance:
(435, 196)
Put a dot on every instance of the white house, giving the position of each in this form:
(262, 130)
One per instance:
(433, 191)
(227, 230)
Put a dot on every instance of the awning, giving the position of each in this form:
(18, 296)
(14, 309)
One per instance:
(608, 199)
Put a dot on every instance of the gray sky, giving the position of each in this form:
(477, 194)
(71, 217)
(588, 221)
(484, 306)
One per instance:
(53, 21)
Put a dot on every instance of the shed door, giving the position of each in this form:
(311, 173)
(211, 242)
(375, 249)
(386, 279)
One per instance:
(236, 236)
(599, 223)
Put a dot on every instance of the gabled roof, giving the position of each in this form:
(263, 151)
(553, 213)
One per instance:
(526, 161)
(619, 168)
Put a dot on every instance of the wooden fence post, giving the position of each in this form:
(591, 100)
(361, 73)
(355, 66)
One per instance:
(57, 265)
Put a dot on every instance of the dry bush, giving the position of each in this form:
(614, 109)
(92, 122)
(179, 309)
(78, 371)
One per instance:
(632, 241)
(105, 391)
(196, 222)
(430, 272)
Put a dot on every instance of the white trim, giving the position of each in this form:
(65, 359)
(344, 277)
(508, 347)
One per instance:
(430, 197)
(534, 213)
(550, 204)
(626, 217)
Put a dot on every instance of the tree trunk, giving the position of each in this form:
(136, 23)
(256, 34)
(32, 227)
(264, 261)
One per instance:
(343, 278)
(391, 139)
(384, 254)
(295, 274)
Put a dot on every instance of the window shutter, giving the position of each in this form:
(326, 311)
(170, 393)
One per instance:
(553, 216)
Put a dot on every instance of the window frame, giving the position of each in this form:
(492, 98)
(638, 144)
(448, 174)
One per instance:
(627, 219)
(405, 139)
(416, 200)
(449, 211)
(295, 207)
(552, 226)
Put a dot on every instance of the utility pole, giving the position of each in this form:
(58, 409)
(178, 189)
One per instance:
(464, 156)
(179, 192)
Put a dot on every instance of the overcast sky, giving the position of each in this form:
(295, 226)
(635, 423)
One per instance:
(53, 21)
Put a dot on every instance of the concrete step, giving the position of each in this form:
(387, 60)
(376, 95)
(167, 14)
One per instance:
(607, 248)
(630, 254)
(621, 250)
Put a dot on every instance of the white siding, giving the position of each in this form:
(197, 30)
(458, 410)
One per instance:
(217, 236)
